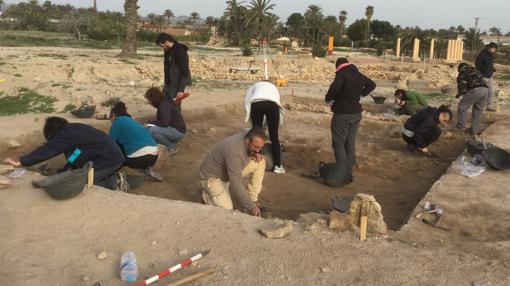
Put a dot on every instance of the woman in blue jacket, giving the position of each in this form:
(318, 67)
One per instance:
(136, 142)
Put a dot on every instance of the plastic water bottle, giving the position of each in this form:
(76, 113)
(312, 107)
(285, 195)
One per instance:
(128, 267)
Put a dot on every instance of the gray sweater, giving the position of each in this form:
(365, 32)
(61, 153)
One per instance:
(226, 161)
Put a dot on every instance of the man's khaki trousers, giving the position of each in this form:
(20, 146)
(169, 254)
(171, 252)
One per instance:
(216, 192)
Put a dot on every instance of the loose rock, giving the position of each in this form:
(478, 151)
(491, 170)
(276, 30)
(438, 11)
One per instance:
(339, 221)
(183, 252)
(102, 255)
(5, 183)
(278, 231)
(325, 269)
(12, 143)
(4, 169)
(85, 278)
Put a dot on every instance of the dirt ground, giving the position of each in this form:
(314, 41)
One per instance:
(46, 242)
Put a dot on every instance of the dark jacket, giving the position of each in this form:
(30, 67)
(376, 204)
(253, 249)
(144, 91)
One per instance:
(79, 143)
(485, 63)
(177, 73)
(169, 115)
(423, 123)
(468, 79)
(347, 89)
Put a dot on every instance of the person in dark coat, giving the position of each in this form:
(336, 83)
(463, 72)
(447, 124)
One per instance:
(485, 65)
(344, 95)
(176, 67)
(80, 144)
(169, 126)
(421, 129)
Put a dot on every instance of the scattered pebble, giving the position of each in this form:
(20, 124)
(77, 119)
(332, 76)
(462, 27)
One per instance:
(154, 242)
(325, 269)
(183, 252)
(5, 183)
(278, 231)
(13, 143)
(85, 278)
(102, 255)
(151, 265)
(194, 264)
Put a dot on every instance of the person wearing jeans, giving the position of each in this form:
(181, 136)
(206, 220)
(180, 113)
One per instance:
(263, 100)
(169, 126)
(344, 95)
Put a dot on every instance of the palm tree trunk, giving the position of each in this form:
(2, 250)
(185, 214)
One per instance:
(129, 47)
(95, 6)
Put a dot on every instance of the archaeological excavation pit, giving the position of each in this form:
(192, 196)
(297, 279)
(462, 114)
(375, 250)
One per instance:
(385, 168)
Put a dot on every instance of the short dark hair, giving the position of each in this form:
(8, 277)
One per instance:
(341, 61)
(445, 109)
(256, 132)
(461, 66)
(401, 92)
(163, 37)
(492, 45)
(119, 109)
(53, 125)
(154, 96)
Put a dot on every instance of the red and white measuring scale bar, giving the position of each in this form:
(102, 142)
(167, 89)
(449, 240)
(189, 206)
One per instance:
(173, 269)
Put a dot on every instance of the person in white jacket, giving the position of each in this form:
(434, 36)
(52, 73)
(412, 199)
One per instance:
(263, 99)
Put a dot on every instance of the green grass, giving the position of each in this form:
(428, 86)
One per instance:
(27, 101)
(50, 39)
(505, 77)
(69, 107)
(62, 85)
(110, 102)
(52, 55)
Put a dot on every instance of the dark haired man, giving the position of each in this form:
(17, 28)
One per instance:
(485, 65)
(409, 102)
(80, 144)
(176, 66)
(222, 171)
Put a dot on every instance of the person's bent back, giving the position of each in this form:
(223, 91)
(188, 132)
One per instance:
(80, 144)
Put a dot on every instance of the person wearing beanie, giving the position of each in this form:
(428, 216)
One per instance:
(344, 95)
(485, 65)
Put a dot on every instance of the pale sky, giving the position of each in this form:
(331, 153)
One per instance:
(425, 14)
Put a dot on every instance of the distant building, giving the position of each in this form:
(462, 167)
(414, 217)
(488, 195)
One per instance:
(500, 40)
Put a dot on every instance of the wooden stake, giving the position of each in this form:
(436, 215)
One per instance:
(363, 222)
(90, 178)
(192, 277)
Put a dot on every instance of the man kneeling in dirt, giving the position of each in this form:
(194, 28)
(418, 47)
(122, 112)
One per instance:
(222, 171)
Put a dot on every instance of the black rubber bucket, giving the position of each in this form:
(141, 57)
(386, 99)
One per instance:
(65, 185)
(473, 147)
(378, 99)
(497, 158)
(84, 111)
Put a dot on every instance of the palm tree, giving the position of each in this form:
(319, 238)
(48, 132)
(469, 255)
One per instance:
(209, 21)
(95, 6)
(313, 23)
(260, 13)
(342, 18)
(152, 19)
(194, 17)
(131, 15)
(495, 31)
(159, 21)
(168, 14)
(369, 12)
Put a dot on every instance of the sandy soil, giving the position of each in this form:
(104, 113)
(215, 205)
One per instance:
(46, 242)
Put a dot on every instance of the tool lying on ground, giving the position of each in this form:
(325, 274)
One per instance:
(192, 278)
(174, 268)
(363, 221)
(432, 209)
